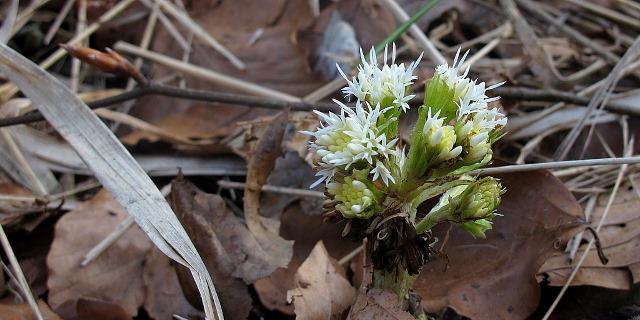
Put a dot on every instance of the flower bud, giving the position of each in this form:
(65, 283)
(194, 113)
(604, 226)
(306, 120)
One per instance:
(480, 200)
(476, 228)
(352, 198)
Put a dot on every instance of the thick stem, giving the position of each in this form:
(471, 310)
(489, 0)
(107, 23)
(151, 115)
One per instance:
(397, 280)
(398, 255)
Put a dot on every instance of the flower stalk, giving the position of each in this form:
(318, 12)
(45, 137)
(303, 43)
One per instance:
(377, 185)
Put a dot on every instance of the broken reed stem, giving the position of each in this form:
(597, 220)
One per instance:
(24, 285)
(274, 189)
(203, 73)
(528, 94)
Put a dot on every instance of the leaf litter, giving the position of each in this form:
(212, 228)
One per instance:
(502, 276)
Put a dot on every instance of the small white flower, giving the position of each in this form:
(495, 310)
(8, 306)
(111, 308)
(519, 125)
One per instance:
(349, 138)
(440, 138)
(383, 172)
(469, 95)
(374, 84)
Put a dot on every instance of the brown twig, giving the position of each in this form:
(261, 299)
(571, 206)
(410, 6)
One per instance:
(518, 93)
(191, 94)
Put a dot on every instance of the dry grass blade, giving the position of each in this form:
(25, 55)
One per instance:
(7, 25)
(112, 165)
(22, 281)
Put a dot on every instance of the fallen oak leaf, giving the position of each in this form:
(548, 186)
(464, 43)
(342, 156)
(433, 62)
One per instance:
(115, 275)
(620, 239)
(22, 311)
(321, 290)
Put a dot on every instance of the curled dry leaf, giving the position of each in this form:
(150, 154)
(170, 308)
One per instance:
(260, 162)
(228, 248)
(115, 276)
(620, 239)
(321, 290)
(494, 278)
(306, 229)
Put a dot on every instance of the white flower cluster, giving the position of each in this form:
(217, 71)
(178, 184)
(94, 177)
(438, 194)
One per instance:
(355, 137)
(349, 138)
(374, 84)
(476, 126)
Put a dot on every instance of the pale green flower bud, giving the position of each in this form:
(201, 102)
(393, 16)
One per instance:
(352, 198)
(476, 228)
(481, 199)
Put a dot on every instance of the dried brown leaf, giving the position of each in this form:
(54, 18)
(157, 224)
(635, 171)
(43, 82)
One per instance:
(22, 311)
(620, 239)
(321, 290)
(494, 278)
(96, 309)
(260, 162)
(116, 275)
(227, 247)
(164, 296)
(377, 304)
(306, 229)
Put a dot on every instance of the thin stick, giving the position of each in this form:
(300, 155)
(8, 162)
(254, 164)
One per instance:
(55, 26)
(192, 94)
(599, 99)
(175, 34)
(274, 189)
(209, 75)
(199, 32)
(557, 165)
(76, 63)
(508, 30)
(350, 255)
(98, 249)
(16, 152)
(608, 13)
(24, 285)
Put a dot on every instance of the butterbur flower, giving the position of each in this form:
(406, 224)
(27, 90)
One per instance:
(386, 85)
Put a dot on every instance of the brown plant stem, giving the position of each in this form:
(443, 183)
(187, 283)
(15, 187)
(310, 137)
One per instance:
(398, 255)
